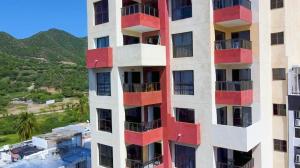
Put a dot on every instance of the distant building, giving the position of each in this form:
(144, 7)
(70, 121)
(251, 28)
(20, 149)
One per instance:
(65, 147)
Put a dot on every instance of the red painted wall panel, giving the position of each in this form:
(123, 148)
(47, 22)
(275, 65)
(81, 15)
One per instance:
(145, 138)
(99, 58)
(233, 13)
(233, 56)
(234, 97)
(140, 19)
(181, 132)
(142, 98)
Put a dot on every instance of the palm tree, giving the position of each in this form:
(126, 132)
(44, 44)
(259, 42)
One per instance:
(25, 125)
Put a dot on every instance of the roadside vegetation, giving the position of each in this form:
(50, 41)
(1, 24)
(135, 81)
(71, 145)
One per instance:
(14, 128)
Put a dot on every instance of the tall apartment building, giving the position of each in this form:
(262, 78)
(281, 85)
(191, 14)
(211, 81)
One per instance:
(191, 83)
(294, 117)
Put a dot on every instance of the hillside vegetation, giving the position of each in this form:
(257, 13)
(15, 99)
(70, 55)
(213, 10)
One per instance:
(51, 59)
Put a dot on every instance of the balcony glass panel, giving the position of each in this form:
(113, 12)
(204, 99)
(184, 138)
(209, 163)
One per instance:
(139, 8)
(141, 87)
(234, 85)
(142, 126)
(233, 44)
(219, 4)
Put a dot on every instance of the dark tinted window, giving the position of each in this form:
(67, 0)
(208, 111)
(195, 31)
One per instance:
(279, 74)
(182, 45)
(127, 40)
(181, 9)
(103, 84)
(279, 109)
(101, 12)
(277, 38)
(183, 82)
(276, 4)
(242, 116)
(280, 145)
(103, 42)
(184, 157)
(185, 115)
(105, 155)
(104, 120)
(222, 116)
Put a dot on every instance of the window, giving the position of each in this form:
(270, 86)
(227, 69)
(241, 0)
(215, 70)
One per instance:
(101, 12)
(242, 116)
(276, 4)
(104, 120)
(279, 109)
(103, 84)
(183, 82)
(277, 38)
(102, 42)
(280, 145)
(128, 40)
(222, 116)
(185, 156)
(183, 45)
(297, 114)
(185, 115)
(297, 132)
(105, 156)
(279, 74)
(181, 9)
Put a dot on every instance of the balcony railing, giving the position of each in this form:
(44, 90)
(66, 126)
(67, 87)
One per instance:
(233, 44)
(234, 85)
(130, 163)
(141, 87)
(139, 8)
(231, 164)
(142, 127)
(219, 4)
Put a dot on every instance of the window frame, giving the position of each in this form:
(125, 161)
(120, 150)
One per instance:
(276, 4)
(181, 91)
(277, 38)
(106, 38)
(189, 46)
(100, 83)
(280, 145)
(108, 153)
(279, 109)
(278, 74)
(184, 112)
(182, 14)
(105, 121)
(101, 13)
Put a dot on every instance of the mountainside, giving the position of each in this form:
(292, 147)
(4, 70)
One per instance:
(53, 45)
(50, 59)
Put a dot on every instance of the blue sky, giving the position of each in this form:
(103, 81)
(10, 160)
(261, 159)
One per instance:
(23, 18)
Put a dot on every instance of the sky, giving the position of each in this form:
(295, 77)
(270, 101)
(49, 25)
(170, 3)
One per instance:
(23, 18)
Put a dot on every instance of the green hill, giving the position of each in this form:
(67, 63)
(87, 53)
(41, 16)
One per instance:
(53, 45)
(53, 58)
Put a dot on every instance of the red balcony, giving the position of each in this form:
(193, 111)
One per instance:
(235, 51)
(99, 58)
(234, 93)
(141, 134)
(142, 94)
(140, 18)
(228, 13)
(181, 132)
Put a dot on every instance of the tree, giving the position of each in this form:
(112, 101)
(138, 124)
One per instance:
(82, 109)
(25, 125)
